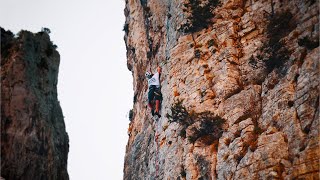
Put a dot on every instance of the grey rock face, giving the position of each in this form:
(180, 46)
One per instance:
(34, 142)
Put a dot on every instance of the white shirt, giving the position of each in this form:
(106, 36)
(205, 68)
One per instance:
(154, 80)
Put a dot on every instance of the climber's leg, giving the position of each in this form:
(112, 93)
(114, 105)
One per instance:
(158, 98)
(151, 107)
(150, 100)
(157, 106)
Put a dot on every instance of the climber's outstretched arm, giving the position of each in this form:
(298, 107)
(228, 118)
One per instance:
(159, 69)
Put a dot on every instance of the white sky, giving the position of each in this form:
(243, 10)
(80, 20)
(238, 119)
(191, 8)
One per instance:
(95, 87)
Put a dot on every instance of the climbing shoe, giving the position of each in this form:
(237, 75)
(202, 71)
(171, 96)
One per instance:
(152, 112)
(157, 114)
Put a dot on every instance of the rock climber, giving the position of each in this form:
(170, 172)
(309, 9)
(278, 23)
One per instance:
(154, 91)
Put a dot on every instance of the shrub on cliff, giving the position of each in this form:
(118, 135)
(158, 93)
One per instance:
(201, 14)
(204, 166)
(46, 30)
(179, 113)
(130, 114)
(210, 127)
(7, 38)
(308, 43)
(126, 28)
(274, 51)
(210, 124)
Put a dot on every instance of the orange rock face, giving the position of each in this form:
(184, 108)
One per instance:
(252, 63)
(34, 142)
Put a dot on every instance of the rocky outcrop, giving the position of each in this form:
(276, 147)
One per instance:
(34, 142)
(253, 64)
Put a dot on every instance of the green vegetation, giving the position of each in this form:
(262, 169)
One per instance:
(7, 38)
(197, 53)
(210, 43)
(183, 172)
(46, 30)
(126, 28)
(130, 114)
(210, 125)
(274, 50)
(308, 43)
(203, 165)
(49, 51)
(179, 114)
(201, 14)
(43, 64)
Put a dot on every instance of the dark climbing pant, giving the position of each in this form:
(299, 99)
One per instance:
(154, 94)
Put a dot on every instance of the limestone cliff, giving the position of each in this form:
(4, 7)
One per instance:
(240, 88)
(34, 142)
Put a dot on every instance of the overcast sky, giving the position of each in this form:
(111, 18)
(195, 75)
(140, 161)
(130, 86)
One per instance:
(95, 87)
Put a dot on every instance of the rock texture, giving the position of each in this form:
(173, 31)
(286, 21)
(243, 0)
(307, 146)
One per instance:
(34, 142)
(254, 64)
